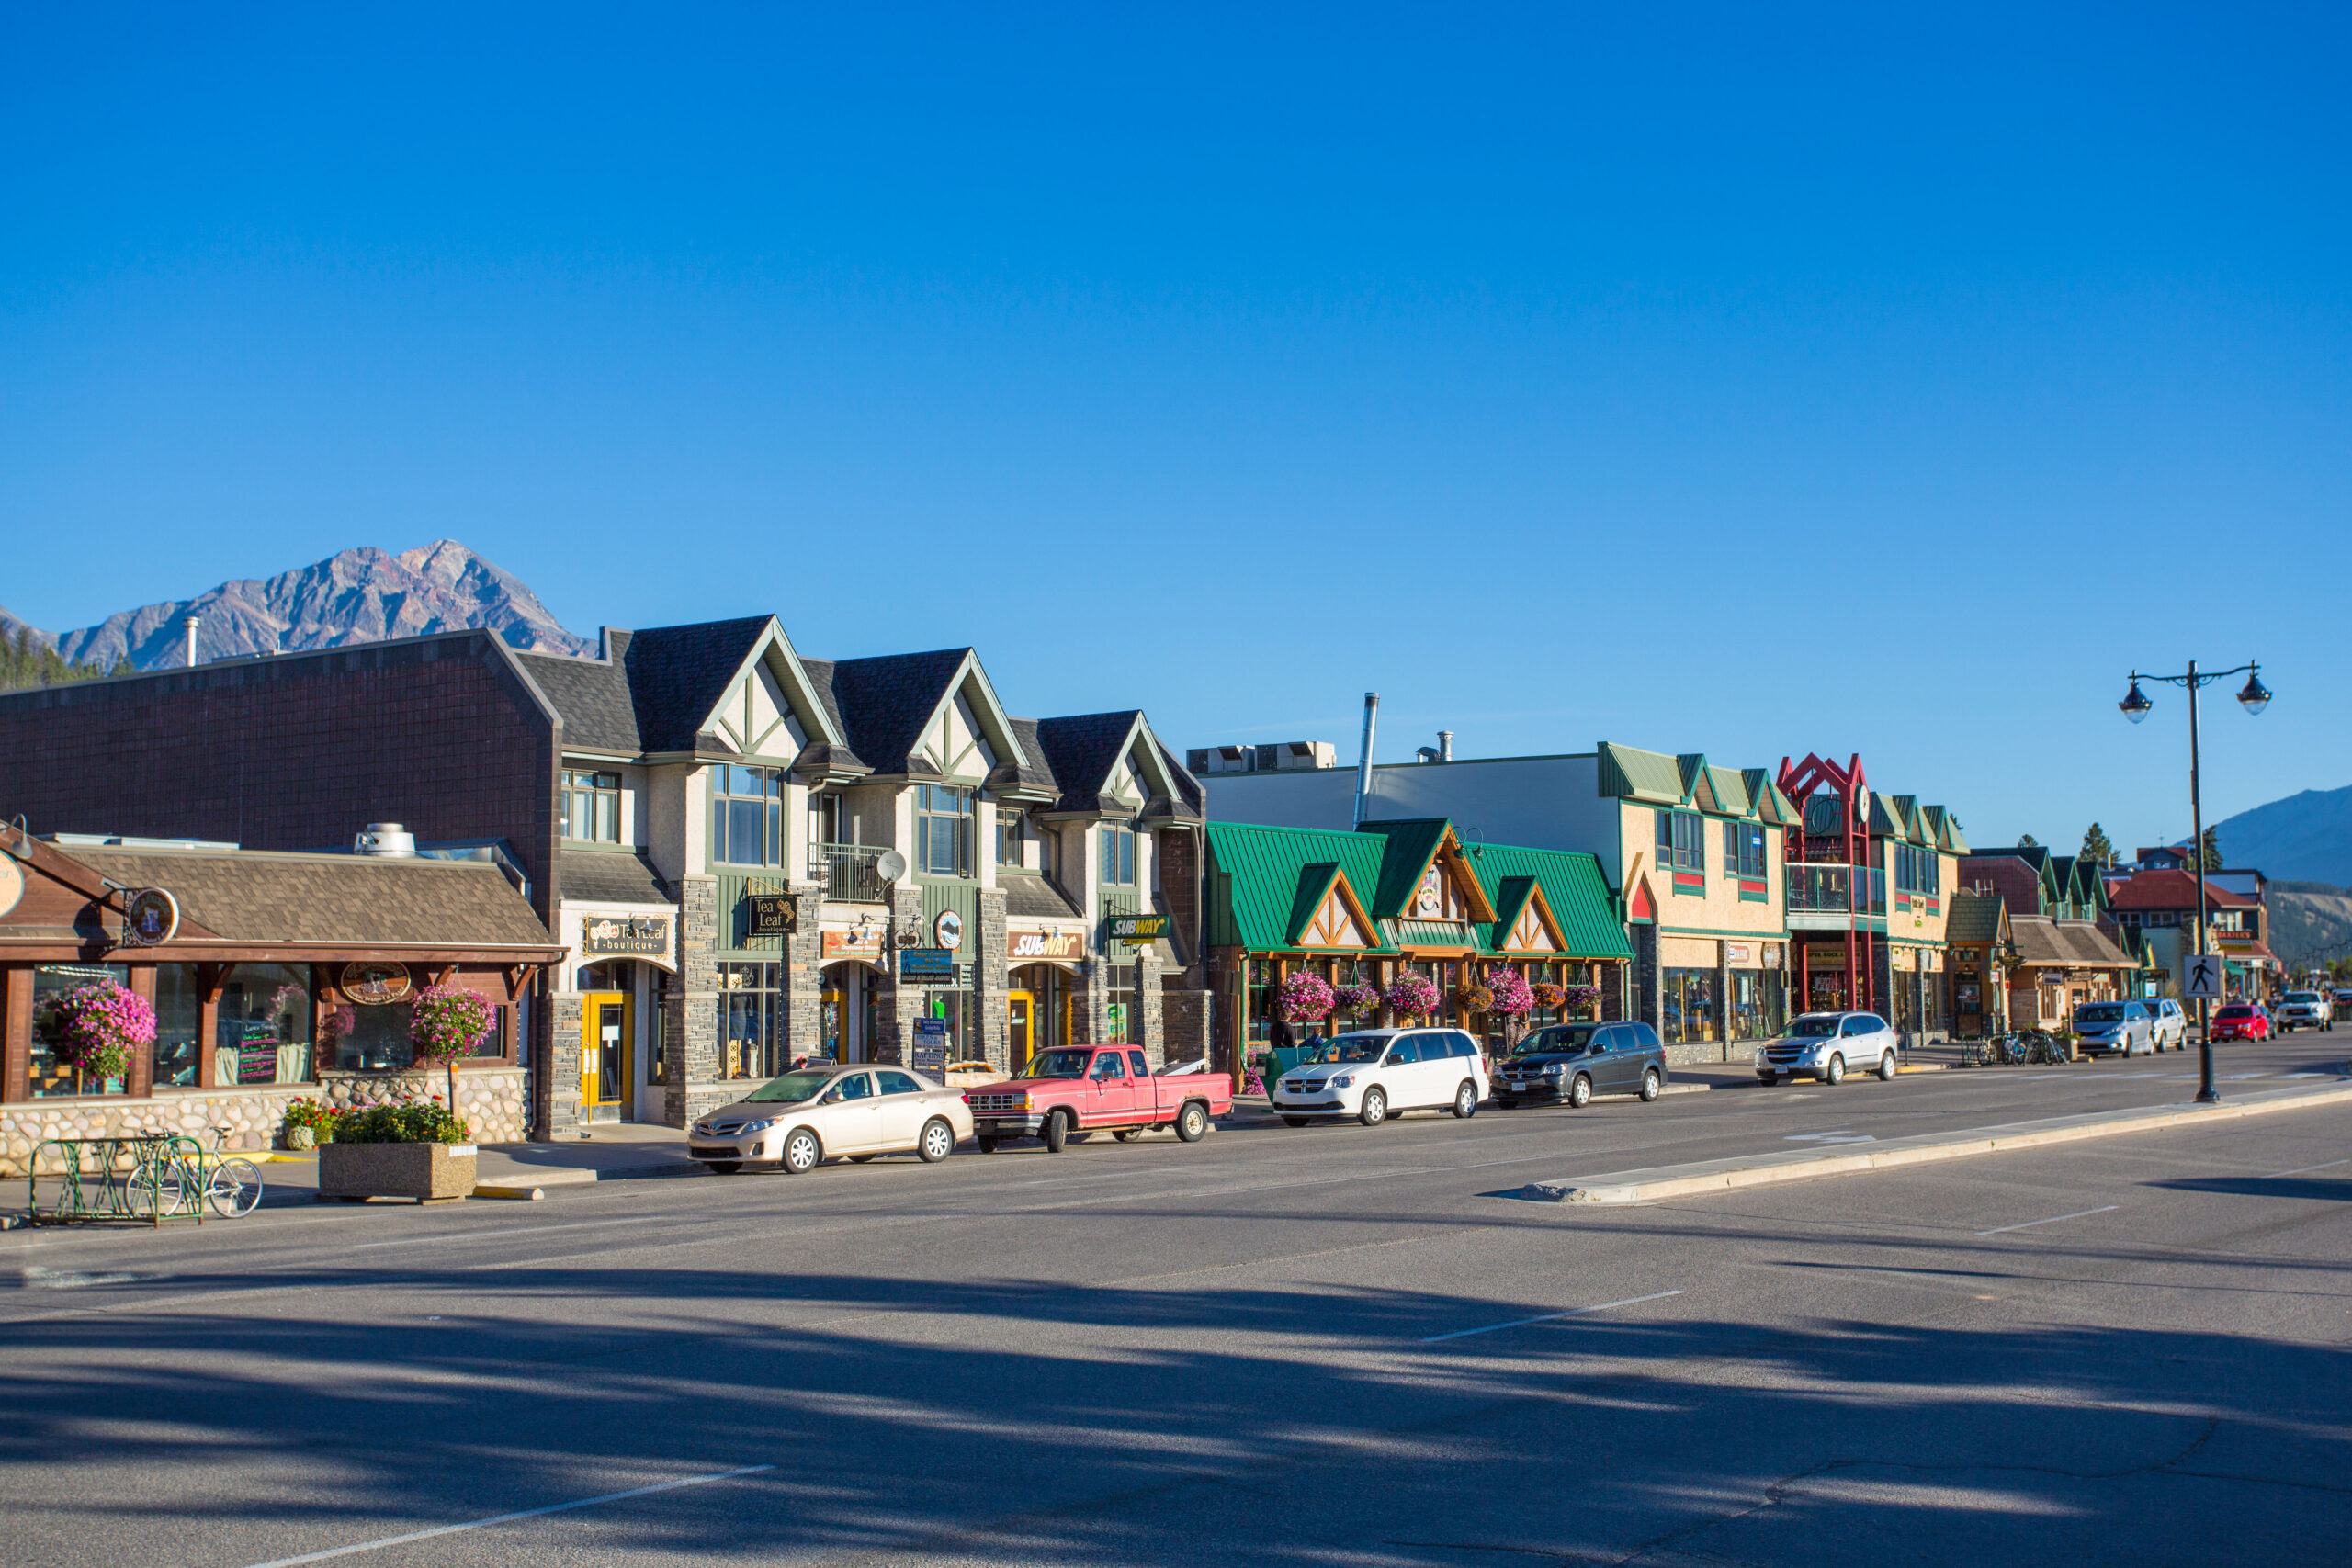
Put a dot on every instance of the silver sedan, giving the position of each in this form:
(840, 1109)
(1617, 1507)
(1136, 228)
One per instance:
(812, 1115)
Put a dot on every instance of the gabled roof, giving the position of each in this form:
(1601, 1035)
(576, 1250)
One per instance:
(1414, 842)
(678, 675)
(1258, 872)
(1316, 883)
(1085, 750)
(659, 690)
(1974, 918)
(1630, 773)
(2172, 889)
(1627, 772)
(1772, 807)
(885, 703)
(591, 697)
(1033, 776)
(1943, 830)
(1573, 889)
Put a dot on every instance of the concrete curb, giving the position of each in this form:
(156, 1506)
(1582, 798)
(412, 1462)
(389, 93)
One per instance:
(1730, 1175)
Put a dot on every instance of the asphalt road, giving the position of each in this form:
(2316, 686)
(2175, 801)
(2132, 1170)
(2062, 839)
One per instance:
(1326, 1346)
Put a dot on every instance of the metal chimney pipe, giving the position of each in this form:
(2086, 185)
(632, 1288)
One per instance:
(1364, 759)
(1446, 745)
(191, 621)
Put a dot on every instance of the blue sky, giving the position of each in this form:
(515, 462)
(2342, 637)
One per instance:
(1721, 380)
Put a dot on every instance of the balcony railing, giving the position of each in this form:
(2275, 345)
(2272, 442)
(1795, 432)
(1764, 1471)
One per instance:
(848, 870)
(1836, 890)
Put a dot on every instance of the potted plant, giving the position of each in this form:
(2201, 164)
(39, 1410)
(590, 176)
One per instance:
(419, 1149)
(95, 1028)
(306, 1124)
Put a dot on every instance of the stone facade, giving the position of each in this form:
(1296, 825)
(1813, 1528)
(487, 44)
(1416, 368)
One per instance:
(558, 1109)
(490, 1100)
(993, 982)
(1186, 1016)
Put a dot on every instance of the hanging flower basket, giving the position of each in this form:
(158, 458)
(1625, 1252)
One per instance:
(95, 1028)
(446, 1023)
(1513, 996)
(1355, 999)
(1549, 997)
(1473, 997)
(1306, 997)
(1411, 995)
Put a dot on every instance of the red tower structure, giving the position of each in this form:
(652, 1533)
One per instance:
(1833, 885)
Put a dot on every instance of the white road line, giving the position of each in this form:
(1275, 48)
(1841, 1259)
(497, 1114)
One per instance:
(1515, 1322)
(508, 1518)
(497, 1234)
(2302, 1169)
(2052, 1219)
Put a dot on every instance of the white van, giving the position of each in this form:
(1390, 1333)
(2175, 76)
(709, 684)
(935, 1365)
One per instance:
(1373, 1074)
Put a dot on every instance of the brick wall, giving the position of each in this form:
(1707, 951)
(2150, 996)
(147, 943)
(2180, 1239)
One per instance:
(2010, 877)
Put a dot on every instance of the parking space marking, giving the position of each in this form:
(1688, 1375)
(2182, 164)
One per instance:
(509, 1519)
(1840, 1136)
(1515, 1322)
(2028, 1225)
(2304, 1169)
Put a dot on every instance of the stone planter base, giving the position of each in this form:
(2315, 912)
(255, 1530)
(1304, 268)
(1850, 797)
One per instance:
(426, 1172)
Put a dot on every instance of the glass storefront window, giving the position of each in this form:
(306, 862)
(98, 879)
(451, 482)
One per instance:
(751, 1021)
(369, 1039)
(952, 1008)
(50, 982)
(1687, 1006)
(1122, 1020)
(747, 816)
(1759, 1010)
(261, 1031)
(179, 1013)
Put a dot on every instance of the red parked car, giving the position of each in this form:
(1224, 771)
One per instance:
(2242, 1020)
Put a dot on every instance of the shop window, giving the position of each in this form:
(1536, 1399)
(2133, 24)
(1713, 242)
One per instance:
(262, 1026)
(1687, 1006)
(952, 1008)
(179, 1013)
(942, 830)
(1743, 850)
(52, 981)
(369, 1039)
(1757, 1008)
(1681, 841)
(1011, 836)
(750, 1020)
(747, 816)
(1122, 1019)
(1118, 853)
(1260, 997)
(591, 805)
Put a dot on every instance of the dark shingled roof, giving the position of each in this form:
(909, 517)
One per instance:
(881, 704)
(1974, 918)
(1084, 748)
(249, 896)
(1036, 898)
(1038, 774)
(591, 695)
(604, 877)
(677, 674)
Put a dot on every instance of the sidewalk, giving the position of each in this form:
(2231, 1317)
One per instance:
(613, 1151)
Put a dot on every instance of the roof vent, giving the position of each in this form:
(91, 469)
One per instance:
(387, 839)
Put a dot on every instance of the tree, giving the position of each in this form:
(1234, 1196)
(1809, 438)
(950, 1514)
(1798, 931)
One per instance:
(2028, 842)
(2096, 847)
(2208, 857)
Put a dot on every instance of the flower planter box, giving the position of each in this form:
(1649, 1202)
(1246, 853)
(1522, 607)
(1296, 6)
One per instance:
(426, 1172)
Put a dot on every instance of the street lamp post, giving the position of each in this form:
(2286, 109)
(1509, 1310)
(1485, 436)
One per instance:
(2252, 698)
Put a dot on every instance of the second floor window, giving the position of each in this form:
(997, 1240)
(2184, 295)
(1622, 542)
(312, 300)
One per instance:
(1743, 850)
(1011, 836)
(591, 805)
(1118, 855)
(747, 816)
(1680, 844)
(942, 830)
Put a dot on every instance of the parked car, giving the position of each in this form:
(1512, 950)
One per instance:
(1073, 1090)
(1375, 1073)
(814, 1113)
(1826, 1045)
(2241, 1020)
(2303, 1009)
(2343, 1001)
(1573, 1062)
(2128, 1027)
(2171, 1025)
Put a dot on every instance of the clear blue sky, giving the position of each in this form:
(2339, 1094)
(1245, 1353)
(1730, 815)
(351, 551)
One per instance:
(1718, 380)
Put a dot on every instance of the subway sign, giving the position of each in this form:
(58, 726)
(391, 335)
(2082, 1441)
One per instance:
(1137, 931)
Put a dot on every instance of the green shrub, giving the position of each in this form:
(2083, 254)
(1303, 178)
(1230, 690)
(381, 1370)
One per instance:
(415, 1122)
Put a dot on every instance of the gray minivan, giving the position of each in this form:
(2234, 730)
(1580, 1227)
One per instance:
(1573, 1062)
(2128, 1027)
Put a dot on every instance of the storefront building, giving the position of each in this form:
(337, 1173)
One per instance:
(273, 978)
(2059, 966)
(2156, 912)
(1367, 908)
(1976, 926)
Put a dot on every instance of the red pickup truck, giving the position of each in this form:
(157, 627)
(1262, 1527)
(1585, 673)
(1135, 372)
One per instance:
(1076, 1090)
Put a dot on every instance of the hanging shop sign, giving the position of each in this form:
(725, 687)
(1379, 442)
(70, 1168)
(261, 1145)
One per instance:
(1739, 953)
(948, 929)
(926, 963)
(866, 943)
(150, 917)
(644, 934)
(374, 983)
(770, 914)
(1138, 931)
(1022, 946)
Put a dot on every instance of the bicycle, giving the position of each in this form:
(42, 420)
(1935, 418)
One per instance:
(167, 1182)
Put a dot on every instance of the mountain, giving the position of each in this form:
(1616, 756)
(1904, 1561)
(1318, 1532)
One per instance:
(2310, 922)
(357, 596)
(2304, 837)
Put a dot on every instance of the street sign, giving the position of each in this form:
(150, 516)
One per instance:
(2201, 976)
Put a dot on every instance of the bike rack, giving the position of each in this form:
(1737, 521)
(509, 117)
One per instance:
(106, 1195)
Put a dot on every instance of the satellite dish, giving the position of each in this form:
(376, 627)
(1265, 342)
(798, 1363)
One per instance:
(890, 865)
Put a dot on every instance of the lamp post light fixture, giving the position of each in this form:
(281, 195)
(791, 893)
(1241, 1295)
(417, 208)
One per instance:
(2253, 696)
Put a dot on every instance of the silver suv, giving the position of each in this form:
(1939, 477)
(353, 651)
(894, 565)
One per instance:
(2171, 1025)
(2303, 1009)
(2128, 1027)
(1827, 1045)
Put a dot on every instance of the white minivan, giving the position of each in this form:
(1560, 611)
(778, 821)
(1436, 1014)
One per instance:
(1372, 1074)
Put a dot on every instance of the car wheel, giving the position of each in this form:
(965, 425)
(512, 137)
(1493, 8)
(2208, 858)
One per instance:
(801, 1152)
(988, 1146)
(1834, 1073)
(938, 1140)
(1580, 1092)
(718, 1166)
(1886, 1067)
(1294, 1120)
(1465, 1100)
(1056, 1132)
(1375, 1110)
(1652, 1087)
(1192, 1123)
(1127, 1134)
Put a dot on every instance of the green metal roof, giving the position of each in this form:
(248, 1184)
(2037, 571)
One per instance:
(1254, 885)
(1632, 774)
(1315, 884)
(1772, 807)
(1410, 845)
(1572, 886)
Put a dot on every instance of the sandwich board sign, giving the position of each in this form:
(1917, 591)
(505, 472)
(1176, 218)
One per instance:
(2201, 976)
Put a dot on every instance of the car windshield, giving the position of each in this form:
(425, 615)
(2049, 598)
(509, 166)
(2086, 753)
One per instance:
(1570, 1037)
(1356, 1048)
(2235, 1012)
(2302, 995)
(1815, 1027)
(2099, 1012)
(791, 1089)
(1060, 1064)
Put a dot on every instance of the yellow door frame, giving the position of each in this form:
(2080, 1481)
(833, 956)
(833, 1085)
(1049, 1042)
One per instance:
(595, 1068)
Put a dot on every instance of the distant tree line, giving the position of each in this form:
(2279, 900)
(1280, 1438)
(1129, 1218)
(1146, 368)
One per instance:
(24, 662)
